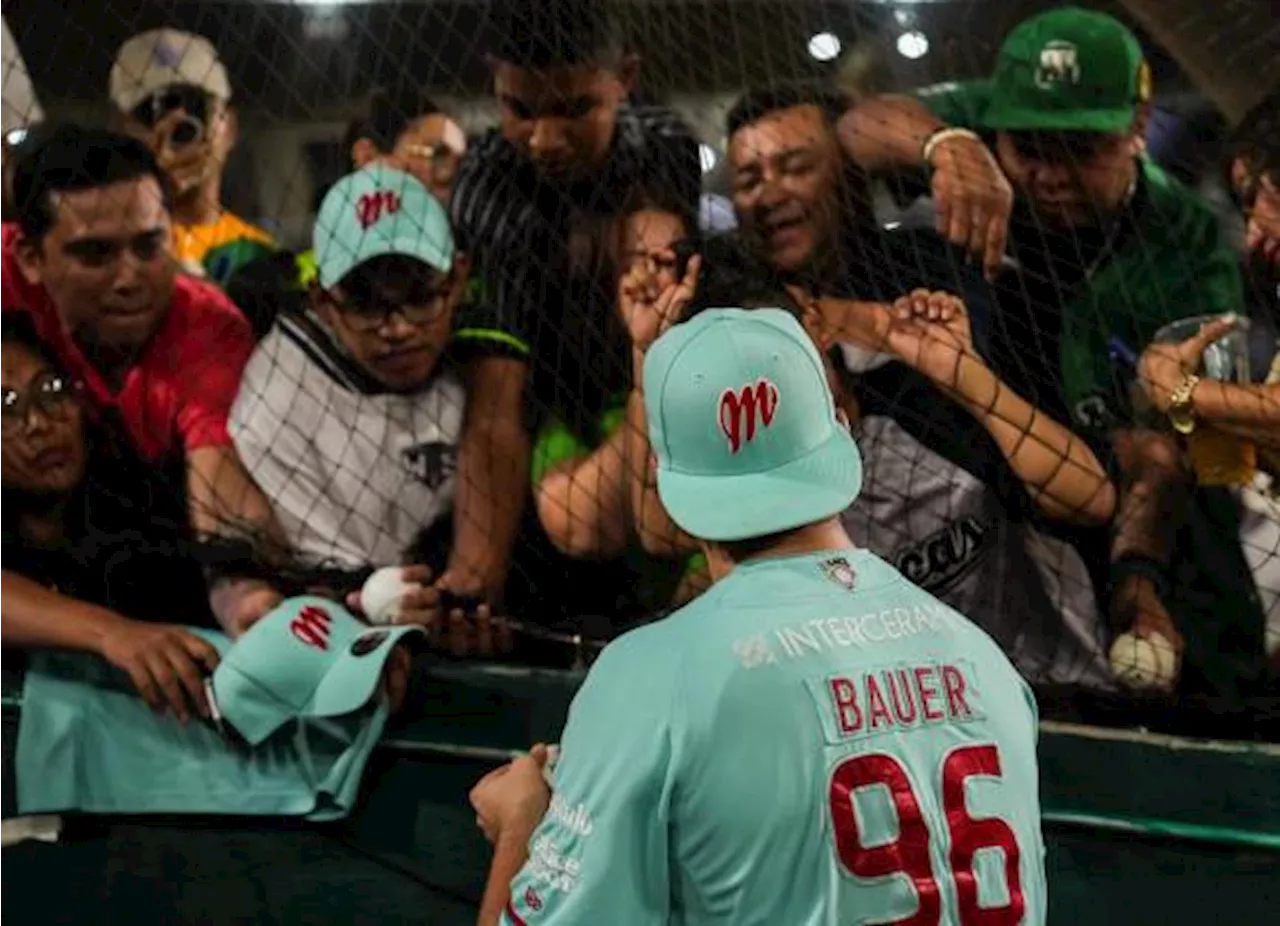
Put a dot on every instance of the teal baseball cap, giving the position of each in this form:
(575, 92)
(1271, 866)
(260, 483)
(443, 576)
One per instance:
(1070, 70)
(309, 657)
(375, 212)
(744, 426)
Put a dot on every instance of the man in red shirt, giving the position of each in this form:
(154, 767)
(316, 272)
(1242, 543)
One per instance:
(90, 260)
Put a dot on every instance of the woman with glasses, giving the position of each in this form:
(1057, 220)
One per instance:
(589, 487)
(96, 556)
(410, 132)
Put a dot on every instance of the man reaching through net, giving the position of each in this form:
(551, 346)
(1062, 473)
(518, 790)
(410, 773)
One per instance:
(813, 740)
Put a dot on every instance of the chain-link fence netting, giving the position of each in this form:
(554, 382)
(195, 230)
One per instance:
(352, 286)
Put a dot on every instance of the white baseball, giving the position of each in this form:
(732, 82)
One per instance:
(380, 596)
(1144, 663)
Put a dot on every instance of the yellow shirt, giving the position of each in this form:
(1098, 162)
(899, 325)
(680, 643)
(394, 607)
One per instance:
(218, 249)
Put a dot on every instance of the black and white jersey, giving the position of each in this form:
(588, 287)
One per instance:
(355, 473)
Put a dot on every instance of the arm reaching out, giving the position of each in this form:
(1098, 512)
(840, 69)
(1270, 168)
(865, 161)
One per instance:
(931, 332)
(493, 477)
(166, 664)
(648, 311)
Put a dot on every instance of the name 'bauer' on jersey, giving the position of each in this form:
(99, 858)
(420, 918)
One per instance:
(813, 741)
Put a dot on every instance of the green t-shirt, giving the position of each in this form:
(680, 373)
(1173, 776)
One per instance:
(557, 443)
(1172, 262)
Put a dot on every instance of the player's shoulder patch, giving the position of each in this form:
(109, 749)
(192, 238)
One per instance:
(840, 571)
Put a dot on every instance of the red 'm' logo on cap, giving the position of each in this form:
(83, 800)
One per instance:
(742, 411)
(371, 207)
(311, 626)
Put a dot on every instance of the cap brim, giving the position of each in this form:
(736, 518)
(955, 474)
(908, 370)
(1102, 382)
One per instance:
(1015, 119)
(238, 699)
(351, 681)
(811, 488)
(414, 246)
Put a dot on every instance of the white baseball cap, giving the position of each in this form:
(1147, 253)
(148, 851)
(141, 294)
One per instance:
(151, 61)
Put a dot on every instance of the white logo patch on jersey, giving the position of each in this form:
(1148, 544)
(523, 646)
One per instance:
(839, 571)
(753, 651)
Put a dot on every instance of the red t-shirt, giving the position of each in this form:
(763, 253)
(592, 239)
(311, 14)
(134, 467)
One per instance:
(178, 393)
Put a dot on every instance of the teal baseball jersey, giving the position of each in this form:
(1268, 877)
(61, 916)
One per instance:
(813, 741)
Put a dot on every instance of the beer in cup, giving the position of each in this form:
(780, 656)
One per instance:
(1219, 459)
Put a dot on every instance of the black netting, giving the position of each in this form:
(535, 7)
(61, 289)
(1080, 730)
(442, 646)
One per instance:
(468, 401)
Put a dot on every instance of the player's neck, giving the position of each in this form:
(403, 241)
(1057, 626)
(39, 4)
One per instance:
(812, 538)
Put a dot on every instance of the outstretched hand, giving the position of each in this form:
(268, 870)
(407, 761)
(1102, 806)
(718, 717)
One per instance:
(651, 302)
(931, 333)
(1163, 366)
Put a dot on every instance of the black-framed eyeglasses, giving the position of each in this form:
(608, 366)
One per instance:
(681, 251)
(50, 393)
(370, 314)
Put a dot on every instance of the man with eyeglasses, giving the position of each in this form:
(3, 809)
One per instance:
(349, 414)
(170, 90)
(1104, 249)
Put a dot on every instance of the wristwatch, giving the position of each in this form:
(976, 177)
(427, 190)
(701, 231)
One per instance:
(1182, 410)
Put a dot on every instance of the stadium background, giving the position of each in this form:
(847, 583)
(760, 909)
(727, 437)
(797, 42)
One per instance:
(1142, 828)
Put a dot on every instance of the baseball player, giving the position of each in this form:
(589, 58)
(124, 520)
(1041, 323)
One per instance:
(814, 740)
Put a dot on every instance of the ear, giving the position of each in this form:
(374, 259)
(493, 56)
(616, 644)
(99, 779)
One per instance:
(231, 125)
(363, 153)
(1240, 174)
(319, 304)
(461, 274)
(454, 137)
(628, 72)
(1141, 122)
(30, 258)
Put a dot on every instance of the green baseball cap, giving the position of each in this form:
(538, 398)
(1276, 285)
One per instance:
(744, 426)
(375, 212)
(1068, 69)
(309, 657)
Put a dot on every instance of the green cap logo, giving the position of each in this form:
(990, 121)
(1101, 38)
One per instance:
(1059, 64)
(1067, 70)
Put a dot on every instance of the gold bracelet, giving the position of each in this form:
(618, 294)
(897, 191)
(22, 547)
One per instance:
(1182, 409)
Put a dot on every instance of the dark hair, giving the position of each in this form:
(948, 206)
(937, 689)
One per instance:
(759, 102)
(18, 329)
(71, 158)
(732, 276)
(265, 287)
(386, 115)
(541, 34)
(656, 199)
(1257, 139)
(741, 550)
